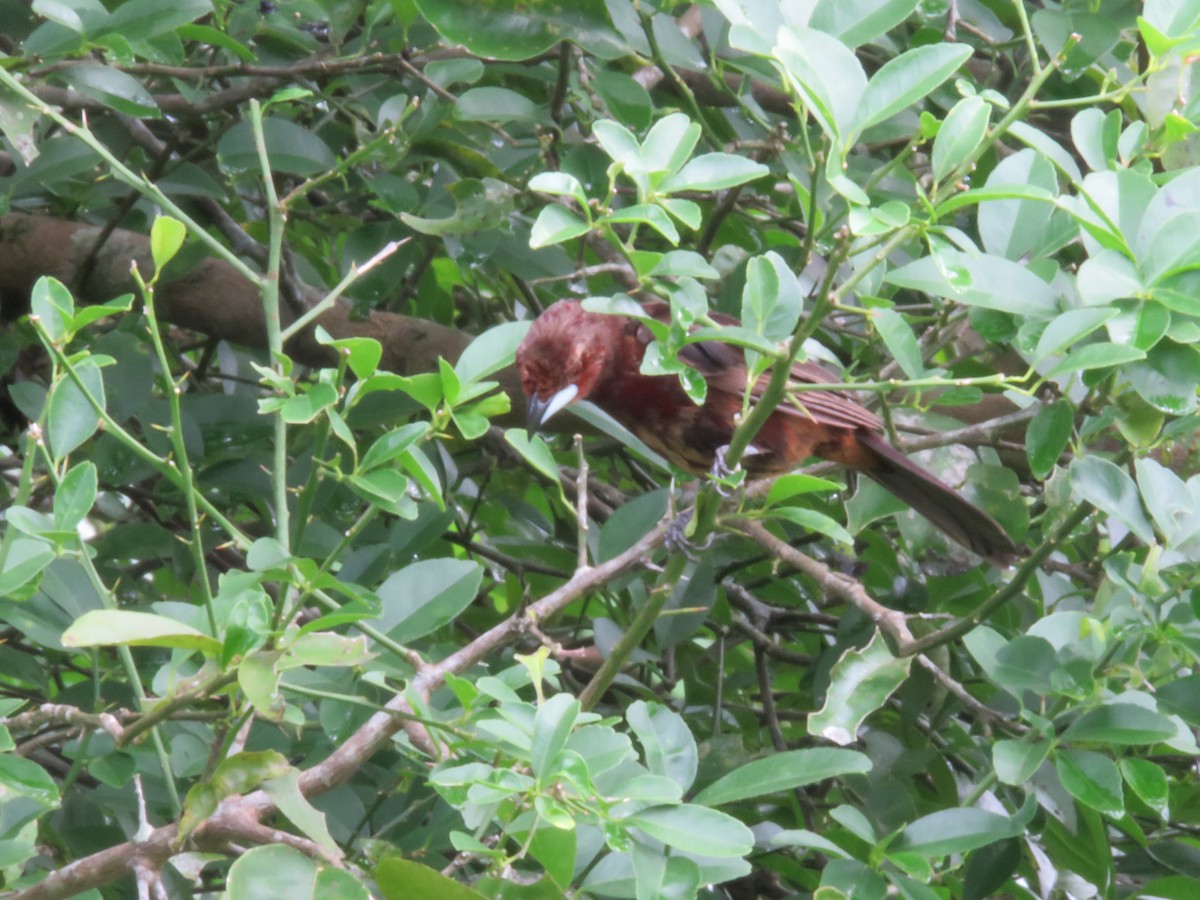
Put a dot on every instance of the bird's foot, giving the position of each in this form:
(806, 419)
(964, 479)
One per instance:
(678, 540)
(728, 479)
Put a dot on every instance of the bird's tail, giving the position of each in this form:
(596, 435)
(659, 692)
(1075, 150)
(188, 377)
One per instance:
(938, 502)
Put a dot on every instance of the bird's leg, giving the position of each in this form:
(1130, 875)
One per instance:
(729, 480)
(677, 538)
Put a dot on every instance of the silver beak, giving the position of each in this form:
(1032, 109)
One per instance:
(540, 410)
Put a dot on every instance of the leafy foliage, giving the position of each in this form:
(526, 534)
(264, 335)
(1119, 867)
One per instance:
(328, 583)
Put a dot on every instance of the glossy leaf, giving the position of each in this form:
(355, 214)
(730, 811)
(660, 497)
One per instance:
(1112, 491)
(902, 81)
(516, 31)
(1047, 437)
(961, 132)
(111, 627)
(276, 869)
(424, 596)
(113, 88)
(1092, 779)
(667, 744)
(781, 772)
(860, 682)
(696, 829)
(1121, 723)
(954, 831)
(291, 148)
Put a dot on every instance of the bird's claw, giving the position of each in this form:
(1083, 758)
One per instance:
(724, 475)
(677, 539)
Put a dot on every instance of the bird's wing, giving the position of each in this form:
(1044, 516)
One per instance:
(724, 368)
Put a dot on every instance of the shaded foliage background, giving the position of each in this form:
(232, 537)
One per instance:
(317, 619)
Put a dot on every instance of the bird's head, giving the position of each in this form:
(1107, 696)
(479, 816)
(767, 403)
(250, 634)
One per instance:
(563, 356)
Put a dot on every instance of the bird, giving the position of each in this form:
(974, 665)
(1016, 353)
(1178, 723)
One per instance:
(570, 354)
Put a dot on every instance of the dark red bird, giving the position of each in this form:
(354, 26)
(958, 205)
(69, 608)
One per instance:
(571, 354)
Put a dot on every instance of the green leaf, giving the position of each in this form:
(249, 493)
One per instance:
(714, 172)
(1099, 355)
(1025, 663)
(291, 148)
(166, 237)
(276, 870)
(554, 225)
(1017, 761)
(855, 22)
(362, 353)
(113, 88)
(696, 829)
(1149, 783)
(814, 520)
(860, 682)
(258, 677)
(1112, 491)
(387, 489)
(962, 131)
(1092, 779)
(646, 214)
(624, 97)
(954, 831)
(667, 743)
(1121, 723)
(560, 184)
(496, 104)
(75, 495)
(511, 30)
(1168, 378)
(25, 778)
(54, 307)
(552, 726)
(987, 281)
(668, 144)
(535, 451)
(284, 791)
(687, 212)
(1047, 437)
(825, 74)
(907, 78)
(391, 445)
(1001, 192)
(139, 20)
(26, 558)
(772, 298)
(787, 486)
(658, 875)
(424, 596)
(305, 407)
(900, 341)
(619, 143)
(1016, 229)
(683, 263)
(1069, 327)
(783, 772)
(113, 627)
(1095, 138)
(325, 648)
(35, 524)
(870, 221)
(402, 879)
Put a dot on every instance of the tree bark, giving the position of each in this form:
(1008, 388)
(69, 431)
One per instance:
(212, 298)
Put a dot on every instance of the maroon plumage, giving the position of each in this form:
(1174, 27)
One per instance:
(571, 354)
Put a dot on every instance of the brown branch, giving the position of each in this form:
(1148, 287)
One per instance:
(211, 298)
(891, 622)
